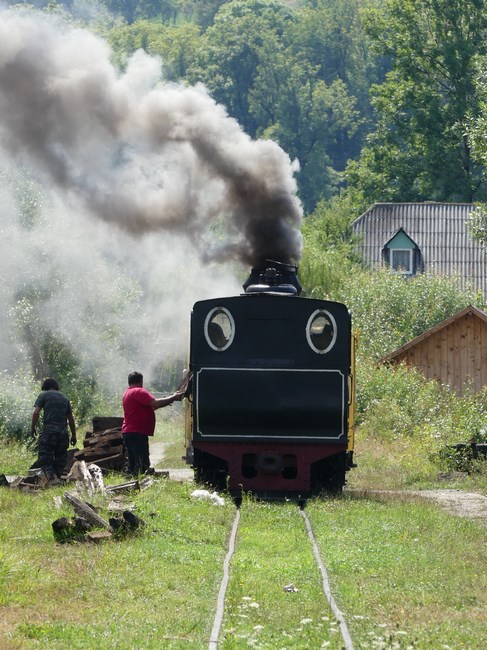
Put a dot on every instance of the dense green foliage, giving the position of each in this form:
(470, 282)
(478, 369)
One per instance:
(419, 149)
(297, 75)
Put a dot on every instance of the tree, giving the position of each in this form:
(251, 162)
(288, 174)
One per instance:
(330, 35)
(420, 149)
(206, 10)
(231, 53)
(476, 133)
(329, 258)
(314, 122)
(177, 46)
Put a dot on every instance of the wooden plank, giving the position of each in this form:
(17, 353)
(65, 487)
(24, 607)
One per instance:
(116, 462)
(91, 455)
(104, 440)
(475, 358)
(464, 367)
(98, 535)
(455, 345)
(443, 355)
(86, 511)
(101, 423)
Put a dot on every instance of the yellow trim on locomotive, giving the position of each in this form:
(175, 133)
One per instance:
(354, 342)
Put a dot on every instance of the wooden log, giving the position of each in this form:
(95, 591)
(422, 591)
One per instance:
(124, 487)
(103, 423)
(91, 455)
(116, 462)
(86, 511)
(132, 520)
(104, 440)
(69, 530)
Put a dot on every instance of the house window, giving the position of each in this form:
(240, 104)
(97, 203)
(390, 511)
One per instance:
(402, 260)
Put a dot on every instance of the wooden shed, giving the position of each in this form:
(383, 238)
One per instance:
(454, 352)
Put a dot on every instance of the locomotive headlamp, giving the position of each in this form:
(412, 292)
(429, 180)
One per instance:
(272, 276)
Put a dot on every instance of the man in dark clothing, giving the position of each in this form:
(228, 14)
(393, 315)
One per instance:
(139, 421)
(54, 439)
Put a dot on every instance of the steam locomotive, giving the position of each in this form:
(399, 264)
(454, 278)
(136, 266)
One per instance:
(271, 403)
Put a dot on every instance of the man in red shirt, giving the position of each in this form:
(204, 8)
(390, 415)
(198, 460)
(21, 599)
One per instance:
(139, 421)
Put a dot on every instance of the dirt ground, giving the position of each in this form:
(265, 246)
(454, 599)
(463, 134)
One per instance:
(157, 456)
(463, 504)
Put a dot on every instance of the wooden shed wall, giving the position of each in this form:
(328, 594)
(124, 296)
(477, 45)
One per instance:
(454, 355)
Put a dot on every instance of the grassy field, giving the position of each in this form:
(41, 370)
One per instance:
(405, 574)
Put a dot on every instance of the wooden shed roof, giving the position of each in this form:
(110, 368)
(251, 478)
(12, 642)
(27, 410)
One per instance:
(440, 231)
(475, 311)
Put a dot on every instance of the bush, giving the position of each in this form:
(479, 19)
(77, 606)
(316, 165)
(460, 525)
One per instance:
(328, 256)
(395, 402)
(390, 310)
(17, 396)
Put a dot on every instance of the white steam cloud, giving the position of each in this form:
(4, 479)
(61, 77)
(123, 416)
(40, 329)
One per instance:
(127, 178)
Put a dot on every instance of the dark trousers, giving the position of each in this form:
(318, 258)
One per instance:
(53, 451)
(137, 446)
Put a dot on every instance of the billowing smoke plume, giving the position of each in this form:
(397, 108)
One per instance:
(108, 184)
(139, 153)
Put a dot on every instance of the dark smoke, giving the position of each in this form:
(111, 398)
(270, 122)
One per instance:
(139, 153)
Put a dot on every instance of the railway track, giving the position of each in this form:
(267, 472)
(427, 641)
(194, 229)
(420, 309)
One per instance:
(329, 603)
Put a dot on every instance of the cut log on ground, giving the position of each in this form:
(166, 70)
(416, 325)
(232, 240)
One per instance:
(86, 511)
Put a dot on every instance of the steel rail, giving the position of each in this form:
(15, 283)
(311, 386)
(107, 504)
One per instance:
(347, 639)
(217, 621)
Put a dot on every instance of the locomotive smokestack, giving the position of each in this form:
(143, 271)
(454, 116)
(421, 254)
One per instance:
(141, 154)
(274, 277)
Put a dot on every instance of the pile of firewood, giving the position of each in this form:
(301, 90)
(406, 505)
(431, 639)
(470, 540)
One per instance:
(104, 445)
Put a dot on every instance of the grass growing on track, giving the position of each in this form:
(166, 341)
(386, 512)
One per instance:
(404, 574)
(272, 552)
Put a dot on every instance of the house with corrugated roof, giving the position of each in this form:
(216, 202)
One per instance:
(454, 352)
(428, 237)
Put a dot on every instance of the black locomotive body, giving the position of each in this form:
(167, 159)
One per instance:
(272, 398)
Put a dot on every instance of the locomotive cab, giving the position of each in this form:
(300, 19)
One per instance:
(272, 390)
